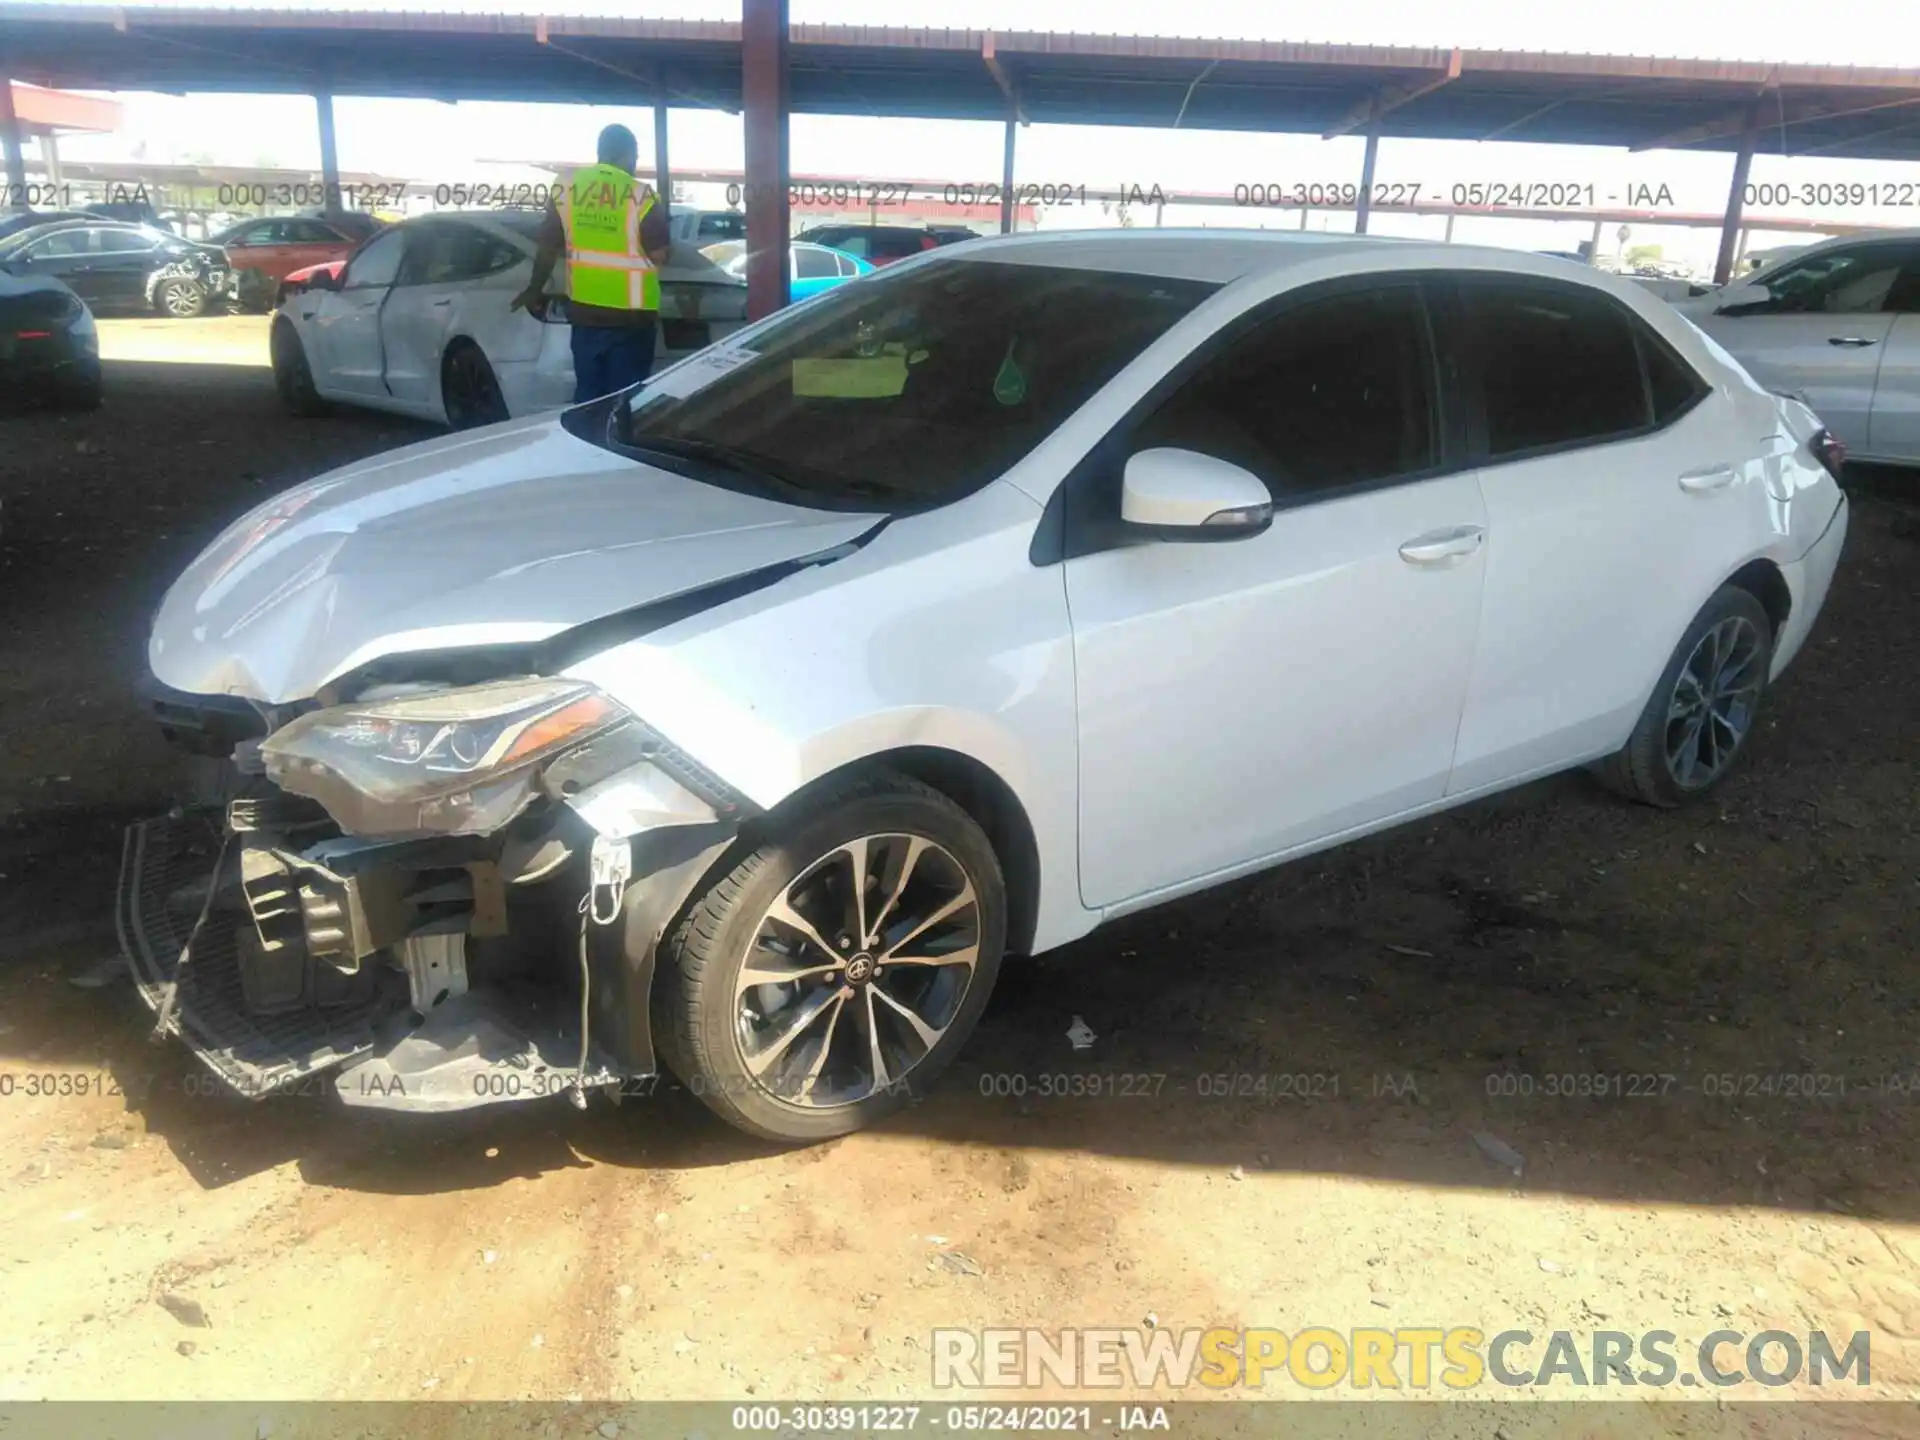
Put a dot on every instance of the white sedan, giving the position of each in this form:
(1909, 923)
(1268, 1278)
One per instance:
(1838, 325)
(419, 323)
(1020, 586)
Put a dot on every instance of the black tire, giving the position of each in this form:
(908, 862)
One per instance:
(181, 298)
(292, 375)
(700, 1008)
(469, 390)
(1645, 769)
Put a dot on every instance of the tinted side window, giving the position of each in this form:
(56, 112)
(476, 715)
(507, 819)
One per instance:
(1672, 383)
(1834, 282)
(1329, 393)
(1557, 365)
(63, 242)
(1904, 298)
(811, 264)
(376, 262)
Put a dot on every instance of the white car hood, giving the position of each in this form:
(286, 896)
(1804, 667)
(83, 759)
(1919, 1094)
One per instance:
(505, 535)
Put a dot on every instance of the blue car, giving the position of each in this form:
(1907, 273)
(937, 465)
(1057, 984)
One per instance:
(811, 268)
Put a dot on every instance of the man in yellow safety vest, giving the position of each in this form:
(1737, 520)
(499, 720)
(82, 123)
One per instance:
(615, 237)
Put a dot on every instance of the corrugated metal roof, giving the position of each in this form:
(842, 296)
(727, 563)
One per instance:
(1138, 80)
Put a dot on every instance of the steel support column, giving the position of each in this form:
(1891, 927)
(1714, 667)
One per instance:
(662, 168)
(1448, 238)
(50, 158)
(1593, 245)
(329, 154)
(1736, 197)
(1365, 206)
(10, 140)
(1006, 175)
(763, 62)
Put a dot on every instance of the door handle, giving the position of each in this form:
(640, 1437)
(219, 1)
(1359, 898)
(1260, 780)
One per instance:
(1439, 549)
(443, 303)
(1852, 342)
(1707, 477)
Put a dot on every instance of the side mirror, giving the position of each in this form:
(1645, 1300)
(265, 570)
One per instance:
(1184, 495)
(324, 280)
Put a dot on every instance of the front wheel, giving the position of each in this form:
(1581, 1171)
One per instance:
(837, 969)
(1698, 719)
(181, 298)
(292, 375)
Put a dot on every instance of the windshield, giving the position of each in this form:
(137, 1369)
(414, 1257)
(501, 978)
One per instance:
(910, 387)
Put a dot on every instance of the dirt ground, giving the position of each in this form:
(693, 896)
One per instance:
(646, 1252)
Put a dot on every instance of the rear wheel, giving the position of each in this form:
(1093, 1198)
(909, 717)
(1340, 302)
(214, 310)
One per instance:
(837, 969)
(181, 298)
(468, 388)
(1697, 722)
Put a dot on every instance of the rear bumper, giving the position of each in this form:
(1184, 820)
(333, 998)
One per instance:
(192, 925)
(1808, 580)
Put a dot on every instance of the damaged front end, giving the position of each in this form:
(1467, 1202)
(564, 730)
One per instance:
(446, 897)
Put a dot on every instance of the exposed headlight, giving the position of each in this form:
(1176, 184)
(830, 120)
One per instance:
(456, 762)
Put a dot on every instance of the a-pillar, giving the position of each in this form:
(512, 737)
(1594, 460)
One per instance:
(763, 63)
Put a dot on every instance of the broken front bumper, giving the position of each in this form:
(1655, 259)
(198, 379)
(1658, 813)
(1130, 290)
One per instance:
(375, 962)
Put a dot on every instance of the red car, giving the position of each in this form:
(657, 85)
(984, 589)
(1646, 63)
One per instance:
(263, 253)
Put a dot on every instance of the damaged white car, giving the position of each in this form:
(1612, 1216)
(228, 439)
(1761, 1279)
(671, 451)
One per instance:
(740, 724)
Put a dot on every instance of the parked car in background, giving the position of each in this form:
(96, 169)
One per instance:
(14, 221)
(117, 266)
(810, 268)
(883, 244)
(131, 212)
(949, 615)
(360, 224)
(701, 228)
(48, 344)
(1838, 325)
(300, 279)
(417, 321)
(264, 252)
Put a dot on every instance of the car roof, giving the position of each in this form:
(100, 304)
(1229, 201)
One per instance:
(1222, 256)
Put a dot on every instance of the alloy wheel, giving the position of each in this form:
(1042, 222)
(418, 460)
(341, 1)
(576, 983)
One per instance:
(183, 299)
(857, 970)
(1712, 705)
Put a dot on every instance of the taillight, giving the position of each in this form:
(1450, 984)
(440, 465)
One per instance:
(1828, 450)
(34, 335)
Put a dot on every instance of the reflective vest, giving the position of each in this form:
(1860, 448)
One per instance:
(601, 207)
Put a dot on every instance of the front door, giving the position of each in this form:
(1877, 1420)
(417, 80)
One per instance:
(1821, 330)
(1894, 431)
(1243, 698)
(347, 323)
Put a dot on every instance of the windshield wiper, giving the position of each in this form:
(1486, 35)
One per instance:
(712, 453)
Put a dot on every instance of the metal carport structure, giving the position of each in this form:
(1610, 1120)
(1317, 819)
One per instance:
(767, 68)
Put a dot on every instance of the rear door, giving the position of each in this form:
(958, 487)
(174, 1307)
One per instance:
(1893, 433)
(67, 255)
(346, 322)
(1820, 332)
(1613, 490)
(456, 281)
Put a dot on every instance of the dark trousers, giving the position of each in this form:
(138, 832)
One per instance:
(607, 358)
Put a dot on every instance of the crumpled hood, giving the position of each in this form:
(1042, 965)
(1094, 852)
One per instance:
(506, 535)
